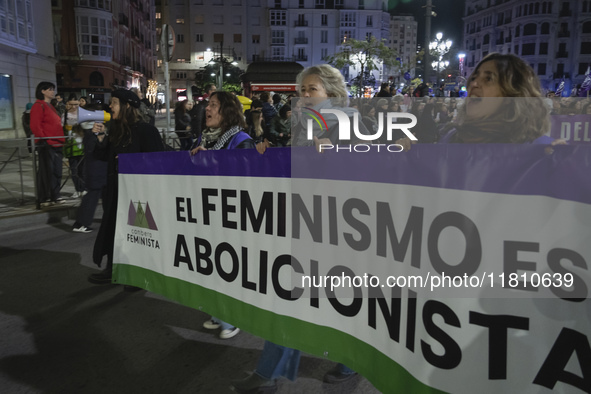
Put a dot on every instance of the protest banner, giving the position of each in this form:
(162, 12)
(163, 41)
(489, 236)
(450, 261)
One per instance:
(260, 240)
(574, 129)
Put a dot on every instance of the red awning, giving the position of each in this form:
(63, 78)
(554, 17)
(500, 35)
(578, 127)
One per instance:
(276, 87)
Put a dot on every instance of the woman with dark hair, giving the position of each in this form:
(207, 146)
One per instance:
(46, 123)
(281, 126)
(182, 123)
(504, 105)
(83, 102)
(257, 129)
(127, 134)
(225, 130)
(225, 125)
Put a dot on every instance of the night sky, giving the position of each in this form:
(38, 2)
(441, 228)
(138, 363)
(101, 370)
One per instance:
(448, 20)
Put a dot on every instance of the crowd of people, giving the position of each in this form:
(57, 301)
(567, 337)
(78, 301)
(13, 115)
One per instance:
(219, 122)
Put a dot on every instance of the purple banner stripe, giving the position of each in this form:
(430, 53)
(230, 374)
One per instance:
(507, 169)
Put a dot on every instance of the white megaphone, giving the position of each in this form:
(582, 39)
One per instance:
(85, 115)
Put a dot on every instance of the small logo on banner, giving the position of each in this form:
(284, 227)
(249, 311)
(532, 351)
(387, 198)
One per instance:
(138, 217)
(315, 115)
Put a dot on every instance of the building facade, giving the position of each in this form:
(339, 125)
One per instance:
(553, 36)
(403, 39)
(27, 52)
(305, 31)
(103, 45)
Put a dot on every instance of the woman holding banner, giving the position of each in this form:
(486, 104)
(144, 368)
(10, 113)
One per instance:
(225, 130)
(127, 134)
(487, 116)
(320, 87)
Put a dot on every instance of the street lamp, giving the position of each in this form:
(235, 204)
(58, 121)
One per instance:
(221, 61)
(438, 49)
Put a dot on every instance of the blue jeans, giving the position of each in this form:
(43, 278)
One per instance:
(276, 361)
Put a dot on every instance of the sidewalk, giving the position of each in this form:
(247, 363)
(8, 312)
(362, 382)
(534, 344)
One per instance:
(17, 188)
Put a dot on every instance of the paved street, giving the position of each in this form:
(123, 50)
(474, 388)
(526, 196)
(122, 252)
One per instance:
(61, 334)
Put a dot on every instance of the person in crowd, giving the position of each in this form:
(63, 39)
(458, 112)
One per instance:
(440, 92)
(280, 128)
(368, 113)
(26, 121)
(198, 111)
(225, 129)
(146, 112)
(95, 176)
(256, 105)
(487, 118)
(426, 128)
(320, 87)
(73, 148)
(277, 103)
(182, 123)
(269, 111)
(127, 134)
(46, 123)
(60, 106)
(257, 129)
(384, 90)
(455, 92)
(83, 102)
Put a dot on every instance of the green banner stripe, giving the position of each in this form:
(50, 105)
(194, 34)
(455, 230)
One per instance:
(385, 374)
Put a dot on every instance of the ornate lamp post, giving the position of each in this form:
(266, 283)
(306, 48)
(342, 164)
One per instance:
(221, 61)
(438, 49)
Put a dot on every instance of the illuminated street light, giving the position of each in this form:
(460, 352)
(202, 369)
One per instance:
(438, 49)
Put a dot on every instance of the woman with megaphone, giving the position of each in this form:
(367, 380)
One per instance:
(127, 134)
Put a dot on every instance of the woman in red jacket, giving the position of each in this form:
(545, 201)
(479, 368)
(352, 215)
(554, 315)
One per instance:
(46, 124)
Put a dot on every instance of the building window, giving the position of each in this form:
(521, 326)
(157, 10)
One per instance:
(324, 19)
(181, 75)
(158, 15)
(545, 28)
(368, 36)
(585, 48)
(237, 38)
(181, 60)
(338, 4)
(369, 21)
(301, 5)
(199, 37)
(199, 19)
(324, 36)
(96, 79)
(583, 68)
(278, 37)
(95, 36)
(180, 21)
(218, 37)
(100, 4)
(530, 29)
(347, 34)
(180, 38)
(323, 53)
(347, 19)
(277, 3)
(543, 48)
(361, 4)
(256, 39)
(486, 39)
(278, 18)
(319, 4)
(586, 27)
(528, 49)
(278, 53)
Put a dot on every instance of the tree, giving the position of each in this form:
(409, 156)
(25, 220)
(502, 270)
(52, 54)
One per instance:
(231, 82)
(368, 55)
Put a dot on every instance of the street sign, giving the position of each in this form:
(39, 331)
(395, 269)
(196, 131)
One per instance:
(167, 42)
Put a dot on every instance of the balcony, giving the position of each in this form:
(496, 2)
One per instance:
(301, 58)
(299, 23)
(561, 54)
(301, 40)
